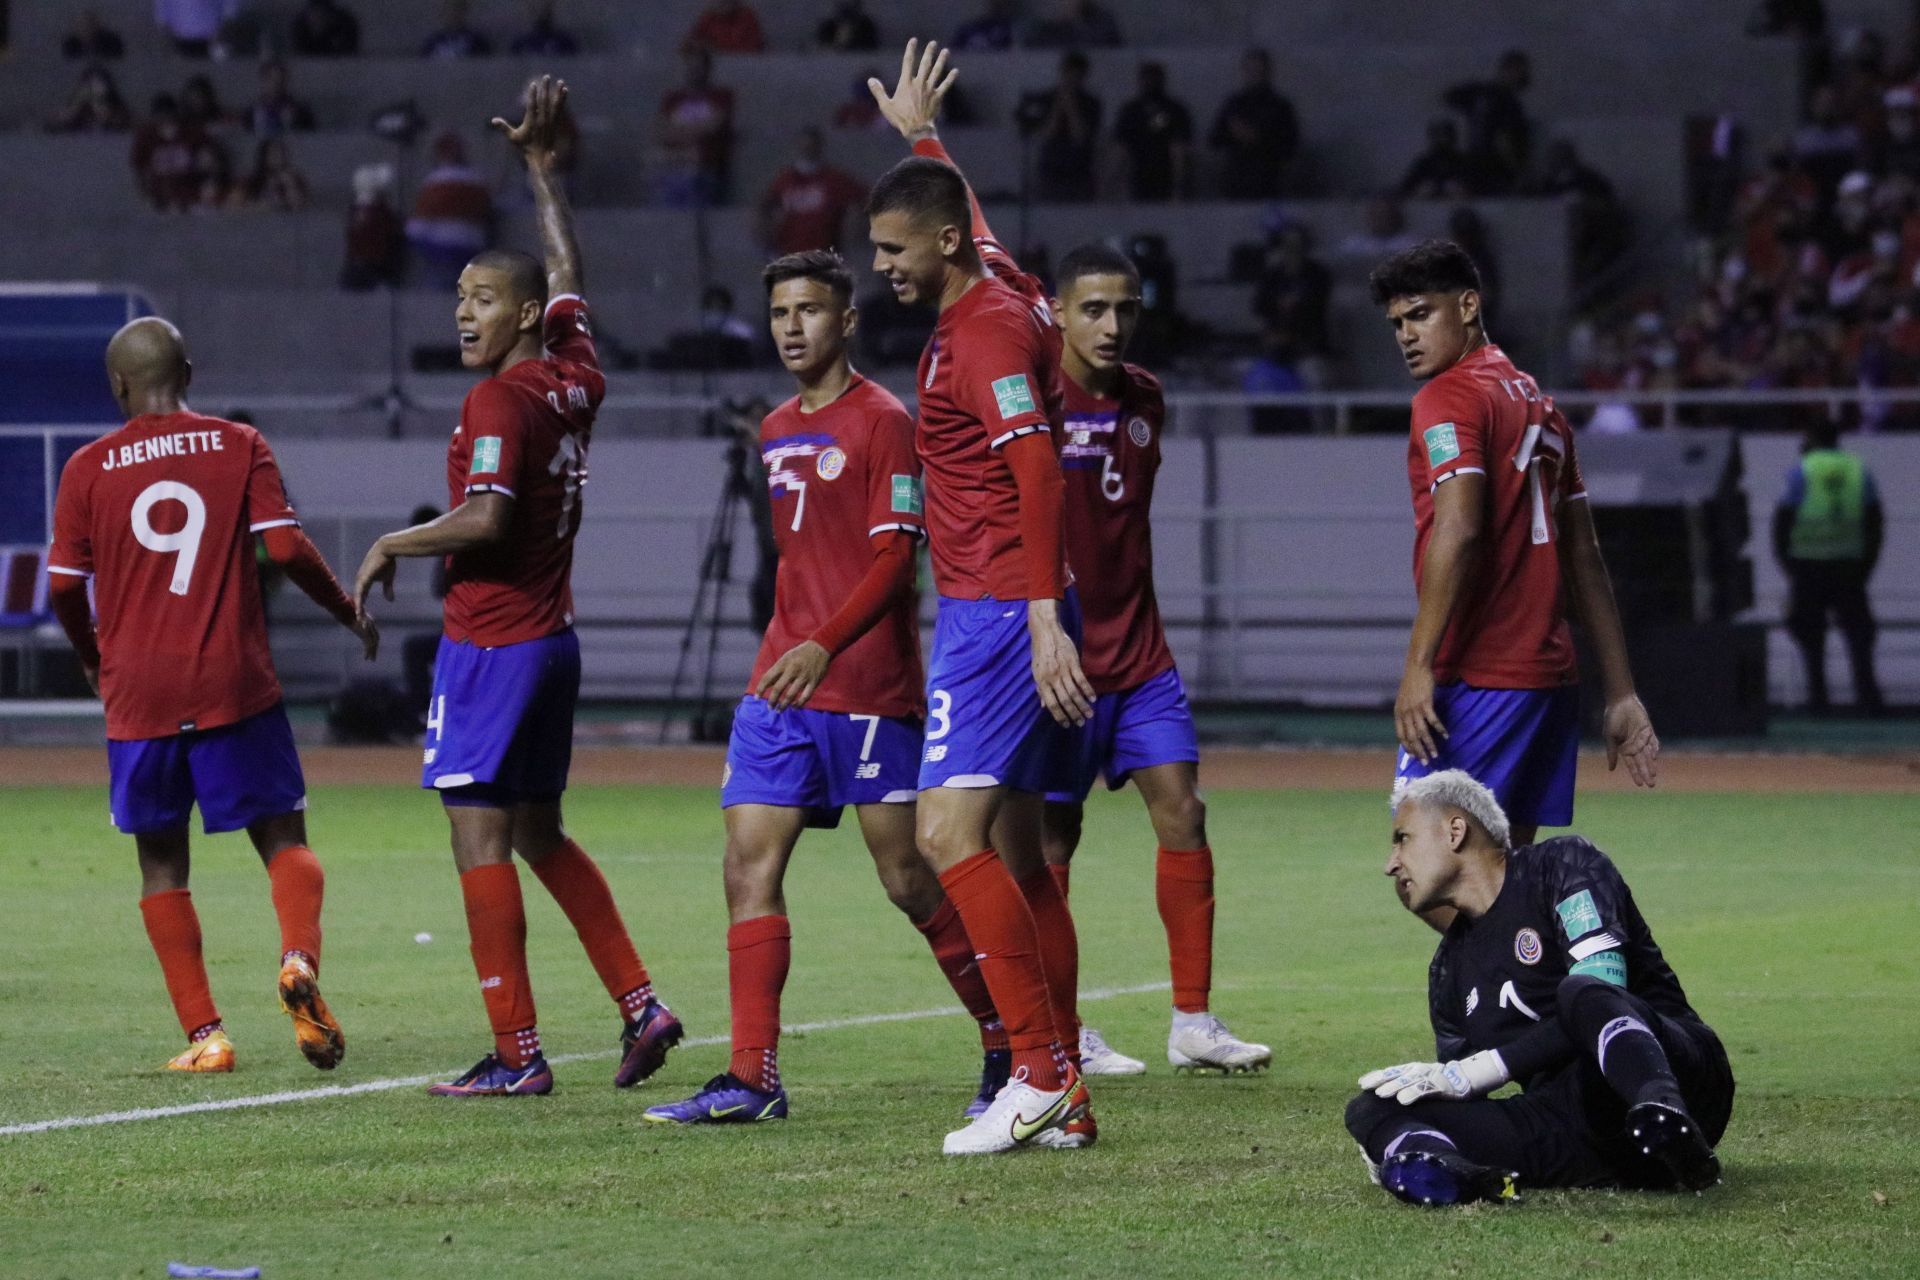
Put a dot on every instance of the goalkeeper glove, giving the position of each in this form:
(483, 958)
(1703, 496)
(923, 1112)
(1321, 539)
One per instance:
(1412, 1082)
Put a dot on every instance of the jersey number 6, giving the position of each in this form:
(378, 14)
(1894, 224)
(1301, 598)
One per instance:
(185, 544)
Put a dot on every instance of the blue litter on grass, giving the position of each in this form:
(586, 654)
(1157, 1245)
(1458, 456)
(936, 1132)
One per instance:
(187, 1271)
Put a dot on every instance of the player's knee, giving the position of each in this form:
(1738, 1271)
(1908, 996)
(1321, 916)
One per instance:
(751, 873)
(1572, 990)
(1061, 833)
(943, 841)
(1181, 821)
(1365, 1112)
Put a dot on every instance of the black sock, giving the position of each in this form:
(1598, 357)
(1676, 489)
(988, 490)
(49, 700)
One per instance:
(1610, 1026)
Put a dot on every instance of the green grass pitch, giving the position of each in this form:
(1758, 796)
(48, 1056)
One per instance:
(1791, 919)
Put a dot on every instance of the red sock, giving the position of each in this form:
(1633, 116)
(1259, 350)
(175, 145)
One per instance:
(953, 952)
(1183, 886)
(759, 952)
(576, 884)
(174, 929)
(997, 919)
(497, 935)
(1059, 953)
(1061, 873)
(298, 887)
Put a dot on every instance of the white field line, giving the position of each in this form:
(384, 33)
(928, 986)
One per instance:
(414, 1082)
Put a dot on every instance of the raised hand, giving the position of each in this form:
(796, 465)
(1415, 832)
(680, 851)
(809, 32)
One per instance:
(914, 104)
(536, 136)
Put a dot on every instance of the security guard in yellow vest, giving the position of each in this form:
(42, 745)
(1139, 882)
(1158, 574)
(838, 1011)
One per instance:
(1826, 534)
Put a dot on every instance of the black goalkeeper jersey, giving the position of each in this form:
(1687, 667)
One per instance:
(1563, 909)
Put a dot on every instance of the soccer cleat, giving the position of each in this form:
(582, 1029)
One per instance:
(1098, 1058)
(492, 1078)
(725, 1099)
(1079, 1129)
(1444, 1177)
(1018, 1115)
(1209, 1046)
(212, 1052)
(1672, 1138)
(996, 1066)
(314, 1028)
(644, 1042)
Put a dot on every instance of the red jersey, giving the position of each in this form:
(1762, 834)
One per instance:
(161, 514)
(837, 478)
(990, 374)
(524, 433)
(810, 207)
(1110, 457)
(1484, 416)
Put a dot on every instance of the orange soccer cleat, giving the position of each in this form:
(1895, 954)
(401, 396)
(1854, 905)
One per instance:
(213, 1052)
(314, 1028)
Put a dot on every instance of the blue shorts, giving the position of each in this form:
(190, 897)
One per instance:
(1522, 744)
(986, 726)
(820, 761)
(500, 723)
(238, 773)
(1135, 728)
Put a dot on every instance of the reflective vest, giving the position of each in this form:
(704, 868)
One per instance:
(1829, 524)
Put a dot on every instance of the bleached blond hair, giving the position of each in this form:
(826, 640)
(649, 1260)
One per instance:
(1456, 789)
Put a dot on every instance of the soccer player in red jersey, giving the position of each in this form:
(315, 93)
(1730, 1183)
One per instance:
(162, 515)
(1005, 687)
(834, 709)
(1504, 547)
(1142, 727)
(500, 726)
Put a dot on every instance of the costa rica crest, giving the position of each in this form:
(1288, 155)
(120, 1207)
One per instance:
(1526, 947)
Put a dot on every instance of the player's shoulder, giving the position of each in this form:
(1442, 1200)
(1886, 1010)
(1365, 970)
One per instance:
(1569, 862)
(1452, 393)
(510, 393)
(879, 406)
(1142, 385)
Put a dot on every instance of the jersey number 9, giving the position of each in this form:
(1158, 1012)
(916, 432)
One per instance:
(185, 543)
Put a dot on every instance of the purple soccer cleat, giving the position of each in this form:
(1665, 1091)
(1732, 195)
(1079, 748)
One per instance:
(725, 1099)
(644, 1042)
(492, 1078)
(996, 1068)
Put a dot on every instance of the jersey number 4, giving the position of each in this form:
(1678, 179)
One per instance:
(184, 543)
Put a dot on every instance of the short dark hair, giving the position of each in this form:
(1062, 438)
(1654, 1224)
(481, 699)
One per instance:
(824, 265)
(1432, 266)
(1095, 258)
(928, 189)
(523, 271)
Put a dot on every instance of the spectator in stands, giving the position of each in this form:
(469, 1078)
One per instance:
(276, 110)
(809, 201)
(727, 26)
(452, 216)
(720, 339)
(275, 182)
(1499, 136)
(1897, 150)
(1827, 533)
(1467, 229)
(200, 106)
(695, 126)
(1599, 224)
(376, 239)
(1155, 133)
(91, 40)
(1294, 290)
(1828, 142)
(1076, 24)
(545, 38)
(193, 25)
(1443, 171)
(456, 38)
(95, 107)
(212, 174)
(992, 30)
(1275, 371)
(325, 29)
(163, 158)
(848, 29)
(1385, 234)
(1256, 133)
(1063, 124)
(858, 110)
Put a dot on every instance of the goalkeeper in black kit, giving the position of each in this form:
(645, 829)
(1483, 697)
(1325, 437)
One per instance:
(1550, 978)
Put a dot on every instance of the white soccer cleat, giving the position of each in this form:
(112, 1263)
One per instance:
(1098, 1058)
(1019, 1114)
(1201, 1042)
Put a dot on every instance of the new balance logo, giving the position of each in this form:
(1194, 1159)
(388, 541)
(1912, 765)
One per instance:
(867, 772)
(936, 754)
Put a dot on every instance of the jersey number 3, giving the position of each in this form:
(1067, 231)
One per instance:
(185, 542)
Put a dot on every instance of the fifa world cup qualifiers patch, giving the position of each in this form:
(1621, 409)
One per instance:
(1014, 395)
(909, 496)
(1443, 444)
(1578, 915)
(486, 456)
